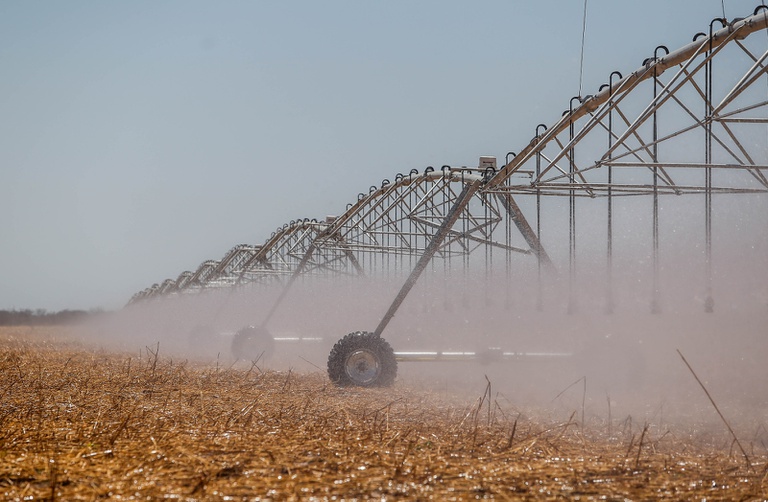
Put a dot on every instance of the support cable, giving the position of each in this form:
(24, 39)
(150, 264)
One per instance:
(709, 302)
(583, 38)
(655, 307)
(572, 211)
(609, 254)
(539, 293)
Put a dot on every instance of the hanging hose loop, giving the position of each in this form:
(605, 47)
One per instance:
(429, 169)
(698, 35)
(488, 173)
(506, 158)
(537, 136)
(759, 8)
(610, 81)
(384, 182)
(398, 177)
(723, 22)
(570, 109)
(577, 98)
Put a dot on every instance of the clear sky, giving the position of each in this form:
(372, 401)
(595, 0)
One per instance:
(138, 139)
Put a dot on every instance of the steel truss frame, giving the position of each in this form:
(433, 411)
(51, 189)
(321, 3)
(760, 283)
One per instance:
(691, 121)
(381, 234)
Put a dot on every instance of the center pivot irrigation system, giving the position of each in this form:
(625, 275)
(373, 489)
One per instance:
(687, 122)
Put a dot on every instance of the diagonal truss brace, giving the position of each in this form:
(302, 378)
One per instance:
(461, 202)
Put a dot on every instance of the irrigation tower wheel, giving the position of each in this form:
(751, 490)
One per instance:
(252, 343)
(362, 359)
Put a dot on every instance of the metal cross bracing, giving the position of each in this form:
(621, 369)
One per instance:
(392, 225)
(670, 106)
(279, 256)
(687, 122)
(381, 234)
(221, 273)
(692, 121)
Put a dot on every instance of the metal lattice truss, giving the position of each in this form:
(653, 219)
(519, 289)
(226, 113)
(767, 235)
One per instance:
(399, 219)
(382, 233)
(689, 121)
(699, 109)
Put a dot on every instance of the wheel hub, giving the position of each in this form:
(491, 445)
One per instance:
(362, 366)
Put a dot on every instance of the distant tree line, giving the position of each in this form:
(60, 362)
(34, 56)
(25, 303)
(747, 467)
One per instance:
(40, 317)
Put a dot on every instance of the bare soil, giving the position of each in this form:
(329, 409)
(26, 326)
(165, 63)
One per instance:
(78, 423)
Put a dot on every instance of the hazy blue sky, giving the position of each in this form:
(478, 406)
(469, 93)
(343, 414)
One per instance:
(138, 139)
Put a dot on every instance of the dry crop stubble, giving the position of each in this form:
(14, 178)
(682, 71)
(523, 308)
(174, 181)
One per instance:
(78, 423)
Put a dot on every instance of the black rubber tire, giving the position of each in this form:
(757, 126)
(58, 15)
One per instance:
(253, 343)
(362, 359)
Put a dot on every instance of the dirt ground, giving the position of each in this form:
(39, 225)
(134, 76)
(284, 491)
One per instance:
(82, 423)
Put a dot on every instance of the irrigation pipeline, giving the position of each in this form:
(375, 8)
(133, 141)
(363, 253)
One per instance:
(401, 225)
(738, 29)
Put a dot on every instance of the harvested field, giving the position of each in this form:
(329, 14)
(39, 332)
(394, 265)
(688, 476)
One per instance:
(78, 423)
